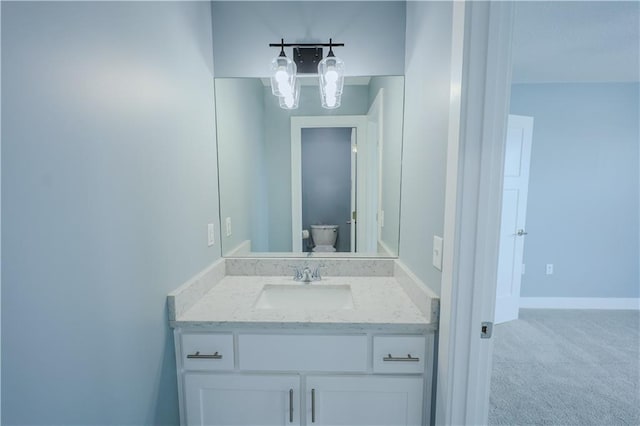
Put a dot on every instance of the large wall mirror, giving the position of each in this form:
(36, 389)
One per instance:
(310, 181)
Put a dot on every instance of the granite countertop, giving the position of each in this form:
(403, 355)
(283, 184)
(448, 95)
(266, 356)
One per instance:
(379, 303)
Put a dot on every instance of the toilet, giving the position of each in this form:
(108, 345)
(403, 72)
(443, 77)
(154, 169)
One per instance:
(324, 237)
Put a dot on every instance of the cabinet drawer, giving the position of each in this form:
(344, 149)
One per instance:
(207, 351)
(273, 352)
(399, 354)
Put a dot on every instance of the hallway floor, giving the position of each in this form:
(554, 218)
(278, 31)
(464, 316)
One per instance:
(567, 367)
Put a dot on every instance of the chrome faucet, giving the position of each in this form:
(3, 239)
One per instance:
(306, 275)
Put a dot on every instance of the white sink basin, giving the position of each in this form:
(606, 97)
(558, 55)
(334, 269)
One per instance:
(305, 296)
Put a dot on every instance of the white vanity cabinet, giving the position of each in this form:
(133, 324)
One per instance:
(303, 378)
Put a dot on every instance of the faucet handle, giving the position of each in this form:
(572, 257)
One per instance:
(297, 274)
(316, 272)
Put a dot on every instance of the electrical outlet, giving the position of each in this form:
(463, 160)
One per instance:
(210, 235)
(227, 223)
(549, 268)
(437, 253)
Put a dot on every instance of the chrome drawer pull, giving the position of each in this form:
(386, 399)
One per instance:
(313, 405)
(408, 358)
(198, 356)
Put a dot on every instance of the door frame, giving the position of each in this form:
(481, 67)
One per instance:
(479, 106)
(359, 122)
(376, 115)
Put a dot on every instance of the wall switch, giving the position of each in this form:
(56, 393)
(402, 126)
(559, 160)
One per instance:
(210, 235)
(549, 268)
(437, 252)
(227, 223)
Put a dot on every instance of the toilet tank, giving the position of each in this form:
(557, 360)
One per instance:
(324, 235)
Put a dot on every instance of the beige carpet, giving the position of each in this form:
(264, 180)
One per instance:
(567, 367)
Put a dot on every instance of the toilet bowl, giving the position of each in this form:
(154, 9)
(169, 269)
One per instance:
(324, 237)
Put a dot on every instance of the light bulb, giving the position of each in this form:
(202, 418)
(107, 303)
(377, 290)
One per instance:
(288, 101)
(331, 76)
(284, 88)
(281, 75)
(331, 89)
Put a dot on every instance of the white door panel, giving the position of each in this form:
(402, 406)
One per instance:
(364, 401)
(514, 210)
(234, 399)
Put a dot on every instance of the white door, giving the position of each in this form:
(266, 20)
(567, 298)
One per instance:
(242, 399)
(364, 400)
(514, 209)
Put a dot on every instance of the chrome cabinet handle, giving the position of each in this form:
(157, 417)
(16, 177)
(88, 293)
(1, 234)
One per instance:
(290, 405)
(198, 356)
(313, 405)
(409, 358)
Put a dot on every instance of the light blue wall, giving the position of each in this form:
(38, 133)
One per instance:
(373, 34)
(427, 86)
(326, 181)
(582, 212)
(243, 186)
(108, 183)
(393, 114)
(278, 151)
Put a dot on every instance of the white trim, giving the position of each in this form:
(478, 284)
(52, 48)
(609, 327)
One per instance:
(480, 84)
(297, 124)
(376, 114)
(629, 303)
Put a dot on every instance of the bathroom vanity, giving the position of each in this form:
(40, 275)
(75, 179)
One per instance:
(254, 347)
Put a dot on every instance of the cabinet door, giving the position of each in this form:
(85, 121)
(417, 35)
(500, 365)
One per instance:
(364, 400)
(242, 399)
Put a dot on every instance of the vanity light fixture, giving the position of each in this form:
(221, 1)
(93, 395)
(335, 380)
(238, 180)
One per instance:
(308, 60)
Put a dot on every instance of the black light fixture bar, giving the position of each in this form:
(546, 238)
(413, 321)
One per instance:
(307, 55)
(283, 44)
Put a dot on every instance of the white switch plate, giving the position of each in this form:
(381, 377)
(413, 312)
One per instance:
(227, 223)
(210, 235)
(437, 252)
(549, 268)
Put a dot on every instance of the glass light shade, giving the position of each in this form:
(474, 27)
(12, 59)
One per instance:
(291, 100)
(283, 76)
(329, 101)
(331, 75)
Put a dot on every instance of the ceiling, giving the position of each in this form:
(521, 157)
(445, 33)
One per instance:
(585, 41)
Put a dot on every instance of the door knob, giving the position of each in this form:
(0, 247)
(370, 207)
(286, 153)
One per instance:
(521, 232)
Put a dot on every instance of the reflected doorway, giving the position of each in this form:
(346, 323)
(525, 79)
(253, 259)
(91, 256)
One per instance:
(328, 157)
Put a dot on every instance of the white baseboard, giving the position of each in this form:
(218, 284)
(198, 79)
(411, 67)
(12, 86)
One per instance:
(631, 303)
